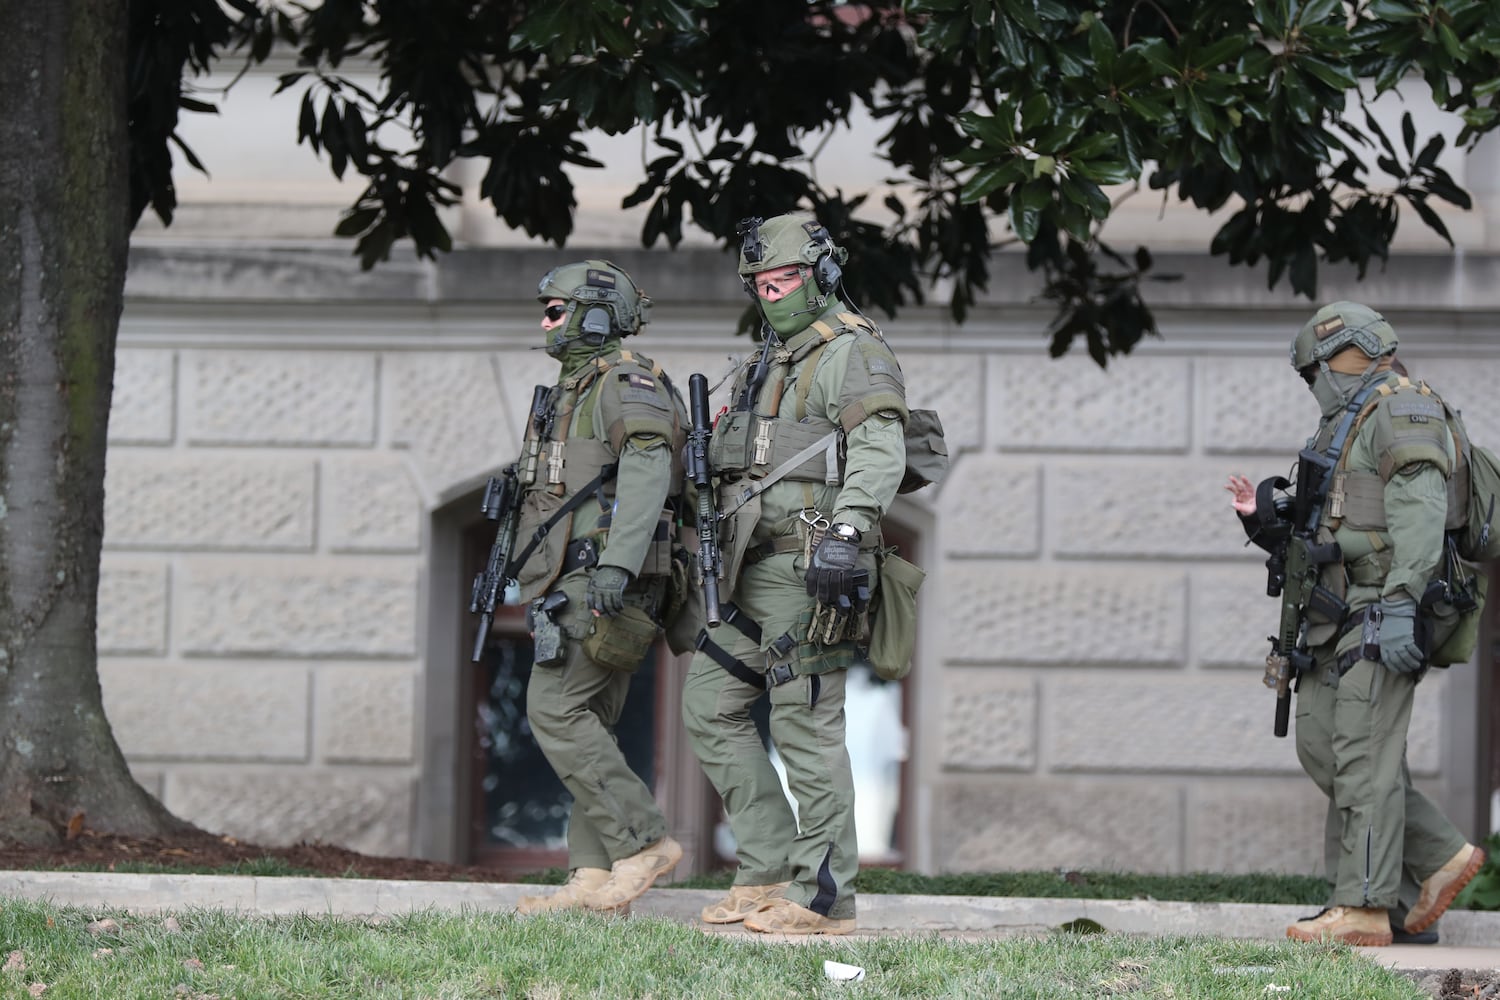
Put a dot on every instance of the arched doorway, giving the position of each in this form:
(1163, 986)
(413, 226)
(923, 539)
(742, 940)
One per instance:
(487, 794)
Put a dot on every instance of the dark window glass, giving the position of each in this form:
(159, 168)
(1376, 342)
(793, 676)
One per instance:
(524, 804)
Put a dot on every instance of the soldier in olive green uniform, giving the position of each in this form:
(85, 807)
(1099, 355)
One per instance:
(808, 457)
(1387, 509)
(601, 475)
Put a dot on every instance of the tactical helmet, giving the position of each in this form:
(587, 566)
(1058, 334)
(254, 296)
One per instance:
(793, 240)
(598, 285)
(1340, 325)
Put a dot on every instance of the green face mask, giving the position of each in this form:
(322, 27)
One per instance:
(572, 348)
(793, 313)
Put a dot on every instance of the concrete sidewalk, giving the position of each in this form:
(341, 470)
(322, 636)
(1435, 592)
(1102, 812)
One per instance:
(1469, 940)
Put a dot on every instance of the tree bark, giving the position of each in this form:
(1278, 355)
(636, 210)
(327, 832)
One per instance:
(64, 232)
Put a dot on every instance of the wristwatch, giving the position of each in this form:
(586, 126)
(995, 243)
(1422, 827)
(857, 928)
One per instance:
(846, 532)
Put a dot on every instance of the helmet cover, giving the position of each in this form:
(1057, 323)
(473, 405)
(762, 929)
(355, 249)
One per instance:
(1340, 325)
(602, 283)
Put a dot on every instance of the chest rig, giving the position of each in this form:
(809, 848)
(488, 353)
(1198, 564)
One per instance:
(759, 441)
(556, 457)
(568, 477)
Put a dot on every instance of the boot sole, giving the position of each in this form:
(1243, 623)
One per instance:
(737, 918)
(1446, 897)
(1350, 937)
(799, 932)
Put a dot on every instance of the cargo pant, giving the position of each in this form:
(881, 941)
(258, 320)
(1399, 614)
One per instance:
(573, 709)
(1351, 740)
(816, 850)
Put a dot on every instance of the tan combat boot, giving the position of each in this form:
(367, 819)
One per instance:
(582, 883)
(1440, 888)
(786, 917)
(632, 876)
(1369, 926)
(742, 901)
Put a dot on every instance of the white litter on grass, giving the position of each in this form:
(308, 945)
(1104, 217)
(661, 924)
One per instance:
(841, 973)
(1273, 988)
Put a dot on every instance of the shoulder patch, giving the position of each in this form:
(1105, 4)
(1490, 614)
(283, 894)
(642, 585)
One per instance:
(1419, 410)
(647, 397)
(638, 380)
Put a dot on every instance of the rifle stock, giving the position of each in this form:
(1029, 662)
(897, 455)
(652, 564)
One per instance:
(502, 503)
(710, 559)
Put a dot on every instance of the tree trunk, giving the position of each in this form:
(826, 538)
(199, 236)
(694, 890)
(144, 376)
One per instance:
(64, 231)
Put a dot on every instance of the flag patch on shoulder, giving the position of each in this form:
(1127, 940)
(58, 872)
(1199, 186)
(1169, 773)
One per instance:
(638, 381)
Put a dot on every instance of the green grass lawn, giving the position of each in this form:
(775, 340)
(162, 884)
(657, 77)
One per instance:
(210, 955)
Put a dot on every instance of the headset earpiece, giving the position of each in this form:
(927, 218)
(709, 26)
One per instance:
(827, 273)
(595, 325)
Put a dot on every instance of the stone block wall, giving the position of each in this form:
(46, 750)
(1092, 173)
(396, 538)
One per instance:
(260, 592)
(1092, 635)
(1095, 630)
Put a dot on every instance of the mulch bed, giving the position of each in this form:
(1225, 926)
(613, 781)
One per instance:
(95, 851)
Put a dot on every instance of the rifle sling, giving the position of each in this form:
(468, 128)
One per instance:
(759, 486)
(1335, 449)
(577, 500)
(1334, 453)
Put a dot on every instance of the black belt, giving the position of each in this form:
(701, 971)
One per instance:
(776, 546)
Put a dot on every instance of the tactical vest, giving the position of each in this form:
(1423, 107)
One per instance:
(756, 437)
(568, 475)
(1411, 424)
(764, 439)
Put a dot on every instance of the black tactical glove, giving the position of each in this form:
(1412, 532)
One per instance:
(1398, 644)
(831, 576)
(606, 594)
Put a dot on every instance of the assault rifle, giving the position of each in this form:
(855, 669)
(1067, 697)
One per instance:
(1292, 574)
(502, 502)
(710, 559)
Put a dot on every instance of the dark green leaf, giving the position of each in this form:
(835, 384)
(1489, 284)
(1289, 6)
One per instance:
(1430, 217)
(357, 221)
(1394, 10)
(1430, 152)
(1024, 221)
(1229, 151)
(307, 122)
(1200, 116)
(1338, 77)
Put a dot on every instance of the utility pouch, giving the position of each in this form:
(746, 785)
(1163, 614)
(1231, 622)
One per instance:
(622, 641)
(731, 448)
(1452, 622)
(1323, 605)
(545, 563)
(658, 559)
(893, 616)
(682, 606)
(926, 451)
